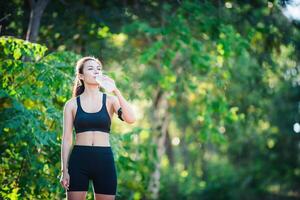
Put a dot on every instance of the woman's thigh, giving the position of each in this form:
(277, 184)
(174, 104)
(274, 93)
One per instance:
(105, 176)
(78, 169)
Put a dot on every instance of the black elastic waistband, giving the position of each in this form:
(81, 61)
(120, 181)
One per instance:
(92, 148)
(83, 130)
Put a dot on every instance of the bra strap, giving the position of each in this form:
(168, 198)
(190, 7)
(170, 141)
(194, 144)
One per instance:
(78, 102)
(104, 99)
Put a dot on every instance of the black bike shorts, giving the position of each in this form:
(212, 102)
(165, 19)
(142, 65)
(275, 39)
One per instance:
(94, 163)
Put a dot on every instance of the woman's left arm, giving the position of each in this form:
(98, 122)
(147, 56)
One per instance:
(122, 107)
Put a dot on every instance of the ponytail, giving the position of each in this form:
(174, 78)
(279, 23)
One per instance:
(78, 87)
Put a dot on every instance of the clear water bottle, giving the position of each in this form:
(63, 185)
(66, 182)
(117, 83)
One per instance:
(105, 83)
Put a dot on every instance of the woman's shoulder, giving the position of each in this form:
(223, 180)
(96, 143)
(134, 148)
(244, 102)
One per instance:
(71, 103)
(110, 97)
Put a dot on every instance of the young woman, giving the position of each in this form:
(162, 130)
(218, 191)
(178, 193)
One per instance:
(91, 111)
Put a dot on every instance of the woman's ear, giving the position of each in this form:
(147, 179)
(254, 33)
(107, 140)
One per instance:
(81, 77)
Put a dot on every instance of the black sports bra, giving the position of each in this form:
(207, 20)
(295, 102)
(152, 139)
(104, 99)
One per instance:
(97, 121)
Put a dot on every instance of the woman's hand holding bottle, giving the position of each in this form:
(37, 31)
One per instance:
(106, 82)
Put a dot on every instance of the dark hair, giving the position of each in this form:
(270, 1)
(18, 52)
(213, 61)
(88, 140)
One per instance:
(78, 87)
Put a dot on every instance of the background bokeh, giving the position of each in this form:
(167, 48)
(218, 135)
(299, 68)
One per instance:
(214, 84)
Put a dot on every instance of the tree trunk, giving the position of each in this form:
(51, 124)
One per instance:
(169, 148)
(37, 9)
(160, 121)
(184, 150)
(203, 162)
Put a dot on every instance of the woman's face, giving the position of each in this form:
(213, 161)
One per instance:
(91, 69)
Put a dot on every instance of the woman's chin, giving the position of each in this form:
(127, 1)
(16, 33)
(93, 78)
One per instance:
(94, 84)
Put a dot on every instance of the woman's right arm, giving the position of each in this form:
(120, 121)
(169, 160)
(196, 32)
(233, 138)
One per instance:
(67, 138)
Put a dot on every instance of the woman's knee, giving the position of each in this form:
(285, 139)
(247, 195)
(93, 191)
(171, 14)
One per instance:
(104, 197)
(76, 195)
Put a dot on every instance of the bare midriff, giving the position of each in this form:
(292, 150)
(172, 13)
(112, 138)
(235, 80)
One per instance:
(92, 138)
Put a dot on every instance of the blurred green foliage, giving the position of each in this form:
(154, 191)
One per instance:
(229, 69)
